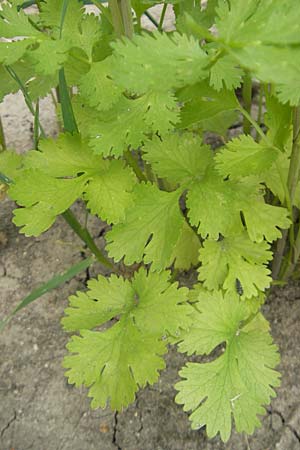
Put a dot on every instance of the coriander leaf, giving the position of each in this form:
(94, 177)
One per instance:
(40, 56)
(129, 122)
(10, 163)
(10, 52)
(155, 214)
(89, 34)
(243, 156)
(98, 88)
(156, 305)
(43, 198)
(109, 192)
(50, 17)
(238, 383)
(213, 197)
(106, 185)
(235, 257)
(278, 119)
(15, 23)
(201, 102)
(116, 361)
(264, 220)
(186, 249)
(158, 62)
(179, 157)
(225, 74)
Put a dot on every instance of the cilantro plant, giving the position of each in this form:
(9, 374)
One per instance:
(136, 111)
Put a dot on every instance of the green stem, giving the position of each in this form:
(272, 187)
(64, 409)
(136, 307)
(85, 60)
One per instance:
(36, 134)
(26, 95)
(116, 17)
(293, 178)
(162, 17)
(247, 97)
(133, 163)
(260, 105)
(121, 17)
(294, 169)
(126, 13)
(87, 238)
(2, 137)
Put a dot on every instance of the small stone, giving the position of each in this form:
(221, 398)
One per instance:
(35, 347)
(103, 427)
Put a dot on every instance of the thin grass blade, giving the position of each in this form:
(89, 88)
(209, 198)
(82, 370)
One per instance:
(54, 283)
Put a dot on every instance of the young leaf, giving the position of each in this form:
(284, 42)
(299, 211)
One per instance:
(15, 23)
(43, 198)
(225, 73)
(179, 157)
(243, 157)
(237, 384)
(155, 214)
(98, 88)
(128, 122)
(10, 163)
(118, 360)
(202, 102)
(160, 62)
(114, 364)
(214, 197)
(235, 257)
(186, 249)
(62, 171)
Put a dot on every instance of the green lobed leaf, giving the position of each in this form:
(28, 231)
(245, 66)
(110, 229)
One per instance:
(179, 157)
(118, 360)
(235, 257)
(15, 23)
(63, 171)
(243, 156)
(155, 214)
(214, 197)
(127, 123)
(237, 384)
(158, 62)
(202, 102)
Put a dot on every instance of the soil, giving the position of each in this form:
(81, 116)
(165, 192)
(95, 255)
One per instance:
(40, 411)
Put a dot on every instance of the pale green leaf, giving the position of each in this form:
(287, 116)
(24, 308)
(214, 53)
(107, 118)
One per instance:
(158, 62)
(107, 184)
(202, 102)
(243, 157)
(118, 360)
(186, 249)
(98, 88)
(232, 258)
(225, 73)
(155, 214)
(179, 157)
(130, 122)
(10, 163)
(239, 383)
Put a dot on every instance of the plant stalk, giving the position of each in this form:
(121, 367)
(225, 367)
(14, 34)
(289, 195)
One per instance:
(293, 178)
(247, 97)
(162, 17)
(2, 137)
(87, 238)
(133, 163)
(121, 17)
